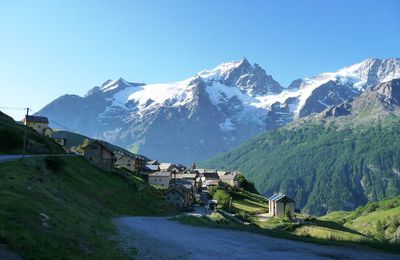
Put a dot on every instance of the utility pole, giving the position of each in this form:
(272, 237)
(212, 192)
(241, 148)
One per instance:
(25, 132)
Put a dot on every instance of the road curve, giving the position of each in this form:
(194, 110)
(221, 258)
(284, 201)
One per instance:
(160, 238)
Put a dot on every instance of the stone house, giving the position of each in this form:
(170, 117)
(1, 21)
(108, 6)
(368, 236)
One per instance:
(126, 161)
(209, 178)
(61, 137)
(161, 179)
(180, 195)
(279, 204)
(99, 155)
(228, 177)
(39, 123)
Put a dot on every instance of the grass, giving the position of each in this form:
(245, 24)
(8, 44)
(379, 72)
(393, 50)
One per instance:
(67, 213)
(281, 228)
(327, 230)
(365, 219)
(248, 202)
(37, 144)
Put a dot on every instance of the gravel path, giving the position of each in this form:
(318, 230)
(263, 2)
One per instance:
(160, 238)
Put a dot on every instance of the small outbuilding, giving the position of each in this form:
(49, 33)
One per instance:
(279, 205)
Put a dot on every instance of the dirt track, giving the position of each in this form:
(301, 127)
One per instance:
(160, 238)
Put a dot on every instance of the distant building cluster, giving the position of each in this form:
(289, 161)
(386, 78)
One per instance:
(183, 186)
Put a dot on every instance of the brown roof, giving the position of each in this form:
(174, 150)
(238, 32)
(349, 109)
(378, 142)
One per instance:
(99, 143)
(211, 175)
(37, 119)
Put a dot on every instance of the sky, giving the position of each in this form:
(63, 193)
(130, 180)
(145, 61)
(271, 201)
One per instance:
(52, 48)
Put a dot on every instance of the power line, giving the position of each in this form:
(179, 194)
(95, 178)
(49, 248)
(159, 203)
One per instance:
(14, 108)
(54, 122)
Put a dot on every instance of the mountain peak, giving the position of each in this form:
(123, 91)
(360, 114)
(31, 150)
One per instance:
(373, 70)
(248, 78)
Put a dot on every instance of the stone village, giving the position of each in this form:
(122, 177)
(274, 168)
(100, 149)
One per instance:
(182, 187)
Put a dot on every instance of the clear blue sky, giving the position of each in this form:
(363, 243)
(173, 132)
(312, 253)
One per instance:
(49, 48)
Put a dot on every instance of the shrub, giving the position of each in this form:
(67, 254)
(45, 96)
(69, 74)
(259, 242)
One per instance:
(54, 163)
(288, 214)
(370, 207)
(222, 197)
(246, 184)
(217, 217)
(212, 190)
(10, 140)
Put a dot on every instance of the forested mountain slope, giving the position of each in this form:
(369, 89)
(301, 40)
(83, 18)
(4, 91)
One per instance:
(336, 160)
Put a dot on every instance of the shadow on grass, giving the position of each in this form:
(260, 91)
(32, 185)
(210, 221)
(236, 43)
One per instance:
(367, 244)
(336, 226)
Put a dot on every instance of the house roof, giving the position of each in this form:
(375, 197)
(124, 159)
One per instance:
(120, 156)
(221, 172)
(181, 182)
(227, 177)
(98, 142)
(186, 176)
(280, 197)
(59, 135)
(153, 162)
(211, 175)
(37, 119)
(180, 166)
(148, 167)
(165, 166)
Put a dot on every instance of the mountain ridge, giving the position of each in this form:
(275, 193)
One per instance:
(241, 100)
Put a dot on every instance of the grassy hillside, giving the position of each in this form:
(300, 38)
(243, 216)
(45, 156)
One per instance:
(12, 138)
(351, 228)
(380, 220)
(75, 140)
(322, 166)
(66, 213)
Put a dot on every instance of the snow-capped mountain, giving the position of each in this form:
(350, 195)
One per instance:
(211, 112)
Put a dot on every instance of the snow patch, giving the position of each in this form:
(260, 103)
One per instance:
(227, 125)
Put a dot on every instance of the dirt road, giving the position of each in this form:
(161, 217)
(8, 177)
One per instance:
(160, 238)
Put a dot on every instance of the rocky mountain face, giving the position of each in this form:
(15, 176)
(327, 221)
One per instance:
(335, 160)
(211, 112)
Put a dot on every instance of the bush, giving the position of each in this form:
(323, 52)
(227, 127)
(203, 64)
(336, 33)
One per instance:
(54, 163)
(10, 140)
(212, 190)
(246, 185)
(217, 217)
(222, 197)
